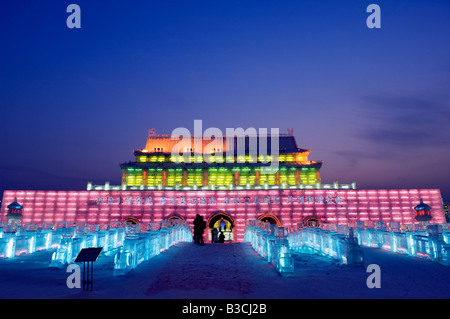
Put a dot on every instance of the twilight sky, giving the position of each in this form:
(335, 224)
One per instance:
(373, 104)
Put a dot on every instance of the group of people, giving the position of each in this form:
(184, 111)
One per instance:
(199, 228)
(215, 238)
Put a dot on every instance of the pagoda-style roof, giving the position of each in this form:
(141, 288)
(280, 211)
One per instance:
(422, 206)
(241, 145)
(423, 212)
(15, 205)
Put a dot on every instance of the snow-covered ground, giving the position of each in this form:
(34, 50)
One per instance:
(189, 271)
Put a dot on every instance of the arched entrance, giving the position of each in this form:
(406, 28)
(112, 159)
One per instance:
(270, 218)
(311, 221)
(222, 222)
(175, 216)
(132, 220)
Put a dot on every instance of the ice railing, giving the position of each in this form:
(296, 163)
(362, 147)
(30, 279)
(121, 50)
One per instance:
(18, 240)
(140, 245)
(335, 241)
(271, 243)
(417, 240)
(68, 238)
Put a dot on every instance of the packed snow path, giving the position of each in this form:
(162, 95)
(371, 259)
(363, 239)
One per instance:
(229, 271)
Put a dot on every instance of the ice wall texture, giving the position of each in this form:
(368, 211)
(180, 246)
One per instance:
(290, 207)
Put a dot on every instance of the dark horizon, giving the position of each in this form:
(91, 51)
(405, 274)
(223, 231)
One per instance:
(373, 104)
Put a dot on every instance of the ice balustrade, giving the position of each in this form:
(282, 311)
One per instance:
(417, 240)
(271, 243)
(145, 241)
(335, 241)
(110, 237)
(16, 240)
(68, 238)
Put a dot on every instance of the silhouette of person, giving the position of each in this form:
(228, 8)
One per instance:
(221, 238)
(199, 227)
(214, 237)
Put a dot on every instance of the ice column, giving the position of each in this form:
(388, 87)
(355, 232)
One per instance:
(271, 243)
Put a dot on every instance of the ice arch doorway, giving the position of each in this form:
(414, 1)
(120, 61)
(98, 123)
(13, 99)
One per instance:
(270, 218)
(132, 220)
(223, 223)
(175, 216)
(311, 221)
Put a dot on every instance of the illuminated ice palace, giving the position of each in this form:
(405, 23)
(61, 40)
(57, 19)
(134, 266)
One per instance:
(223, 187)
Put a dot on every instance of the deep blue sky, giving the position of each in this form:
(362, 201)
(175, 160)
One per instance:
(373, 104)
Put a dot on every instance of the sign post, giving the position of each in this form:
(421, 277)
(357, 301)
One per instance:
(87, 256)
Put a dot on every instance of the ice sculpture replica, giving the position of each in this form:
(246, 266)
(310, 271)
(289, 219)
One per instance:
(271, 242)
(336, 241)
(140, 245)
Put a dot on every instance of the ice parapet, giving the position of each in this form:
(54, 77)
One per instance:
(336, 241)
(73, 239)
(141, 242)
(139, 246)
(17, 240)
(430, 242)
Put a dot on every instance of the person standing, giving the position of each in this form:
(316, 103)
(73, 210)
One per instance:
(199, 227)
(221, 237)
(214, 237)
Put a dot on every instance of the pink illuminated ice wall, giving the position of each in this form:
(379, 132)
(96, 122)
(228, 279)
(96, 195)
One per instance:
(288, 207)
